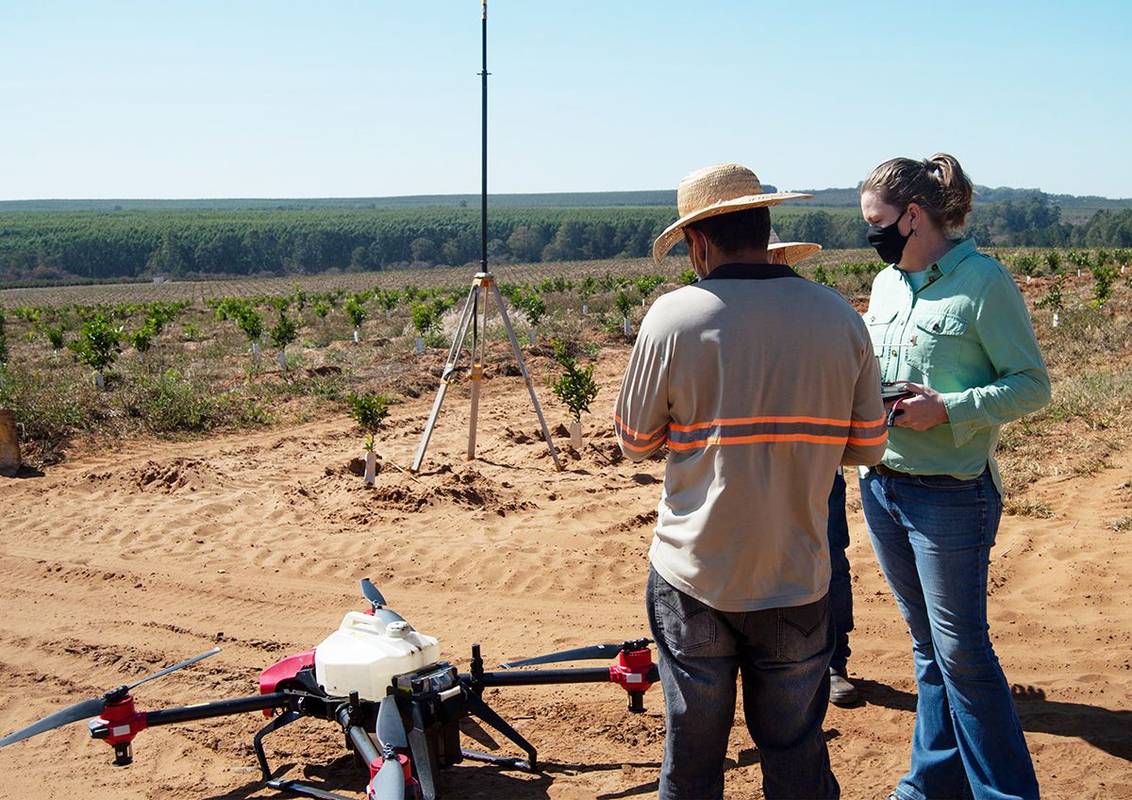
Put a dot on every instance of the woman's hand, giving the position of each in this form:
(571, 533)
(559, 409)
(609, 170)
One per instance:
(921, 412)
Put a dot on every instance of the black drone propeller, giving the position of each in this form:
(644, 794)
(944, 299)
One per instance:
(593, 652)
(389, 782)
(371, 593)
(93, 707)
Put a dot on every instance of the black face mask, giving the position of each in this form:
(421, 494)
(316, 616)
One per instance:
(887, 240)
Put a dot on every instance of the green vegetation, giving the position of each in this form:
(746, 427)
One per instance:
(285, 331)
(355, 309)
(369, 411)
(233, 240)
(424, 318)
(142, 338)
(171, 402)
(99, 344)
(623, 304)
(193, 379)
(1104, 276)
(575, 386)
(251, 323)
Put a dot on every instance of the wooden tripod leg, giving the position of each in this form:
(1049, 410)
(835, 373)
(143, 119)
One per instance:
(449, 367)
(526, 375)
(476, 376)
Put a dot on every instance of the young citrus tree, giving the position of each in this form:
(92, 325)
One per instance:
(55, 335)
(251, 323)
(285, 331)
(574, 387)
(625, 306)
(369, 411)
(98, 345)
(142, 339)
(356, 312)
(424, 319)
(647, 284)
(388, 300)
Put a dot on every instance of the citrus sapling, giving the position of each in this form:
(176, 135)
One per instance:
(356, 313)
(369, 411)
(575, 387)
(285, 331)
(98, 345)
(625, 306)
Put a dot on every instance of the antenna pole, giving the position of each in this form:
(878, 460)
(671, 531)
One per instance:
(483, 187)
(483, 289)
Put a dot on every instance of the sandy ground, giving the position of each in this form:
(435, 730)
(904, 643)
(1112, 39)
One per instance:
(121, 561)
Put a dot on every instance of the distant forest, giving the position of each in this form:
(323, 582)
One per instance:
(66, 240)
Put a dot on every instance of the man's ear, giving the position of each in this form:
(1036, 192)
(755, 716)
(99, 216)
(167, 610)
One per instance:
(697, 247)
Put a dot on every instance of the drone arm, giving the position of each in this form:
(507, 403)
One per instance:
(633, 671)
(542, 677)
(121, 721)
(218, 708)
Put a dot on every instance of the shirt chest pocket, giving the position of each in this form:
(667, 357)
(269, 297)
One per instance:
(878, 324)
(936, 342)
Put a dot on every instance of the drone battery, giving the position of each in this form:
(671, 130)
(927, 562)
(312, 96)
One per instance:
(436, 698)
(434, 679)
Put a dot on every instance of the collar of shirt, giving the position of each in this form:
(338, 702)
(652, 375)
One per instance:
(750, 272)
(952, 258)
(944, 266)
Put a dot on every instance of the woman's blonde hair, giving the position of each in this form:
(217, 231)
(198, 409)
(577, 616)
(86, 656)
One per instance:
(937, 184)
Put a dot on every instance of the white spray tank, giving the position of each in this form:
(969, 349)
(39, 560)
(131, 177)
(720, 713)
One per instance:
(367, 651)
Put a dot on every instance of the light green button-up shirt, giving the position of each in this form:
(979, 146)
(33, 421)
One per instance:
(965, 333)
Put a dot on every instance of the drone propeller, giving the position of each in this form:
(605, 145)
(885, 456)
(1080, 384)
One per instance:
(94, 706)
(596, 651)
(389, 782)
(371, 593)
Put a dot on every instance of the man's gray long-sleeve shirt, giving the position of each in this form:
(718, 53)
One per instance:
(760, 389)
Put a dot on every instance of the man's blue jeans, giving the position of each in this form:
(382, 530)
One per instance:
(933, 536)
(783, 655)
(840, 582)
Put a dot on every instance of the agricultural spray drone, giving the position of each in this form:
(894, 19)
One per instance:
(382, 681)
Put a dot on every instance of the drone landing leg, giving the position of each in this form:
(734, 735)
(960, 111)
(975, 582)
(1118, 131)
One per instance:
(257, 742)
(294, 787)
(477, 706)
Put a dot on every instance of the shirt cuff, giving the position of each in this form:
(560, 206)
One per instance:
(962, 411)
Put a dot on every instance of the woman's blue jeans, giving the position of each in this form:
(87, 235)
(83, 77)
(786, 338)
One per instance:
(933, 536)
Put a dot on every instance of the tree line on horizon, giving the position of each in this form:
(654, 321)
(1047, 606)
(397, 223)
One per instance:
(97, 246)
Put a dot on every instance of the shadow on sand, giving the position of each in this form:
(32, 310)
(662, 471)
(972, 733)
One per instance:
(1103, 728)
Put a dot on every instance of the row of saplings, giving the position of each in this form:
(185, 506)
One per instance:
(102, 332)
(574, 386)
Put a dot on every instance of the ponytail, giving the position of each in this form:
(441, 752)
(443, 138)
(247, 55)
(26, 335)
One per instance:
(937, 184)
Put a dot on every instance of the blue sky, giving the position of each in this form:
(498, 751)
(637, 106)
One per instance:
(248, 98)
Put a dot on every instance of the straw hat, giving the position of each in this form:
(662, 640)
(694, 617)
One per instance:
(795, 251)
(719, 189)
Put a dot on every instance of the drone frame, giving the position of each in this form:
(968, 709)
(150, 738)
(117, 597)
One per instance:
(289, 691)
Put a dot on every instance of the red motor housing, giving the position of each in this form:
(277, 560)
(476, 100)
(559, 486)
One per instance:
(406, 767)
(633, 672)
(119, 724)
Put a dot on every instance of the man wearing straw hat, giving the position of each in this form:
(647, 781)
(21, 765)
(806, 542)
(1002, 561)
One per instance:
(761, 384)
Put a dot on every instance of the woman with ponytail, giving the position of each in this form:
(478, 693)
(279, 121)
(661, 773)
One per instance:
(949, 328)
